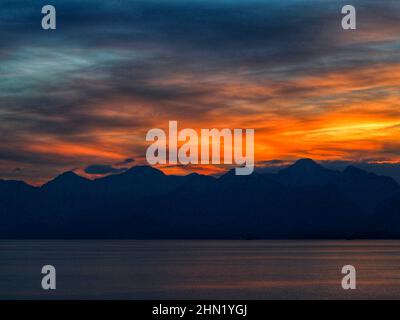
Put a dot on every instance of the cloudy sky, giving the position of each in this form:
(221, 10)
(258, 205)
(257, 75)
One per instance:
(83, 97)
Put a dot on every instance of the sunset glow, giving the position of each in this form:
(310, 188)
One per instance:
(82, 95)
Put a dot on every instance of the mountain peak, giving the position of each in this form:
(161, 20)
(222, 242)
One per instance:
(67, 178)
(306, 172)
(68, 174)
(306, 163)
(145, 171)
(305, 166)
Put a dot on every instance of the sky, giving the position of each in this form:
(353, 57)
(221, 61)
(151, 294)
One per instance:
(83, 97)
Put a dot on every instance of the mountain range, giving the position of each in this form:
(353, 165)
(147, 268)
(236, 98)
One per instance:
(302, 201)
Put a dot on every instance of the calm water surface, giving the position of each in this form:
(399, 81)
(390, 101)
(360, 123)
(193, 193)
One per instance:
(200, 269)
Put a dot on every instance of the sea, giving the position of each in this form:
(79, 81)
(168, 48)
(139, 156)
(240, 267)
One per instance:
(186, 269)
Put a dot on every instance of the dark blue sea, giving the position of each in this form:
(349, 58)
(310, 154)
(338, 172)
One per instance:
(199, 269)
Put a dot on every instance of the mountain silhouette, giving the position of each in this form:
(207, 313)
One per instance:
(304, 200)
(306, 172)
(66, 181)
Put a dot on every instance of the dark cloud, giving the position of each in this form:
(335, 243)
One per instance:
(126, 161)
(275, 162)
(103, 169)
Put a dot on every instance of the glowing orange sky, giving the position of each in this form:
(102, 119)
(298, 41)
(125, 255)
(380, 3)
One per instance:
(337, 116)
